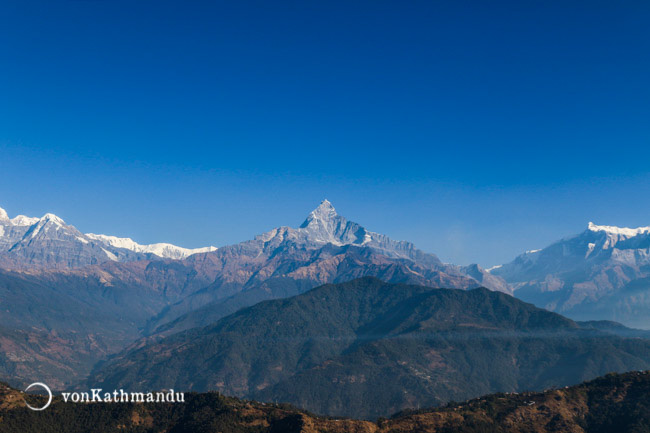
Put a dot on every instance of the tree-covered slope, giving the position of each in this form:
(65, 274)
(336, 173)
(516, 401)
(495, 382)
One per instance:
(366, 348)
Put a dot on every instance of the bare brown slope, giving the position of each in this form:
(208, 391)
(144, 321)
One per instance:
(614, 403)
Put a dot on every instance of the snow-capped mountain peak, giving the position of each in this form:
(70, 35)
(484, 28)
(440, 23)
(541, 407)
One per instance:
(50, 217)
(601, 269)
(324, 213)
(324, 225)
(49, 222)
(24, 239)
(126, 243)
(22, 220)
(622, 231)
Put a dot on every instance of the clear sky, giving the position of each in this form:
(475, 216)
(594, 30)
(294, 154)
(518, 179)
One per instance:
(476, 129)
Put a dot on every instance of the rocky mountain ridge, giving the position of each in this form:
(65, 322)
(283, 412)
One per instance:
(601, 273)
(50, 281)
(325, 248)
(48, 242)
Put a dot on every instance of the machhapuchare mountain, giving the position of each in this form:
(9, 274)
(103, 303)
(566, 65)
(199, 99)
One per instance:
(366, 348)
(326, 248)
(601, 273)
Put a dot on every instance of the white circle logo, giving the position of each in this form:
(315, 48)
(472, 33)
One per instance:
(49, 393)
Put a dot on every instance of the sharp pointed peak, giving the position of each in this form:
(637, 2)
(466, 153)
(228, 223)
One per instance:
(324, 206)
(323, 213)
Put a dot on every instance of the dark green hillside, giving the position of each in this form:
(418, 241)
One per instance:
(366, 348)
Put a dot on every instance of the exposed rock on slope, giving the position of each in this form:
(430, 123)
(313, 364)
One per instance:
(602, 273)
(49, 242)
(326, 248)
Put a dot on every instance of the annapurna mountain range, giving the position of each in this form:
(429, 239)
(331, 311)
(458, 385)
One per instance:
(60, 282)
(50, 242)
(601, 273)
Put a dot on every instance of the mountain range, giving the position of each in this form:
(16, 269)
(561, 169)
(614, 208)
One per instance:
(287, 261)
(27, 242)
(603, 272)
(72, 303)
(97, 285)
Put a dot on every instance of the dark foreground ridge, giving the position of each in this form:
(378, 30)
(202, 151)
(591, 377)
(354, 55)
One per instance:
(615, 402)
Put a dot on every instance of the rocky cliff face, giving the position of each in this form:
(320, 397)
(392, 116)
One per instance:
(324, 225)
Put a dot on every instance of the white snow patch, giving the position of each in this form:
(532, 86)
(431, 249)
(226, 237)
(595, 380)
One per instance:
(493, 268)
(50, 217)
(110, 255)
(625, 231)
(114, 241)
(163, 250)
(22, 220)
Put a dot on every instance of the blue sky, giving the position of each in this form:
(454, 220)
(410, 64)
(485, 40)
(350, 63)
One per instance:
(475, 130)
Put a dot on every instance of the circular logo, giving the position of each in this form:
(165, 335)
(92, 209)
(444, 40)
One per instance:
(49, 393)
